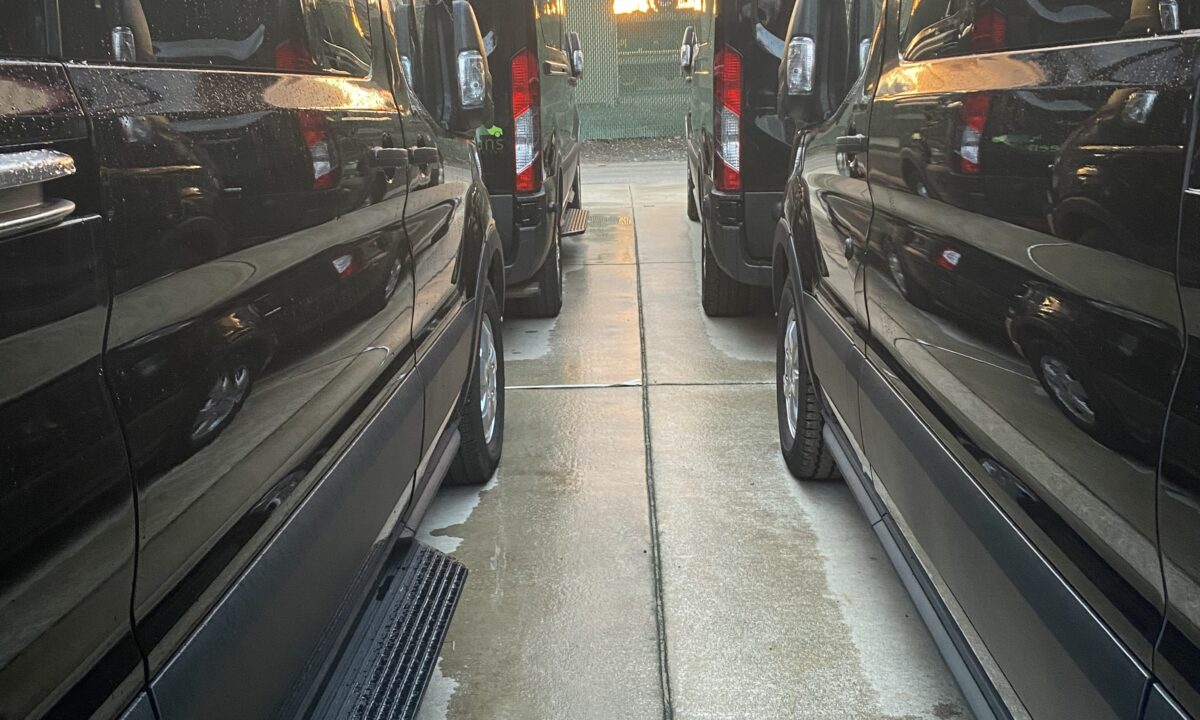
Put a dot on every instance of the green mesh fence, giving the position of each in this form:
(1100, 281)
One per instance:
(631, 86)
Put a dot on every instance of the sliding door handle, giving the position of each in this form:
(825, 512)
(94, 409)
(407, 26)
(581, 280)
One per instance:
(389, 158)
(20, 175)
(851, 144)
(30, 167)
(418, 155)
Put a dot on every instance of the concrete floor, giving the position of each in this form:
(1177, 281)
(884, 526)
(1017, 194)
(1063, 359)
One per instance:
(642, 551)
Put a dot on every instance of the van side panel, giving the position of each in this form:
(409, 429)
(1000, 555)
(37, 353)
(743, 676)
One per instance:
(1021, 294)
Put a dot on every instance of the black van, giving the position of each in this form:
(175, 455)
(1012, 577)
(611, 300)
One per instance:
(531, 151)
(986, 279)
(249, 320)
(736, 146)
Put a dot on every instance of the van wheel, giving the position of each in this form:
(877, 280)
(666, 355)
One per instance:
(800, 420)
(1067, 378)
(692, 211)
(720, 295)
(904, 281)
(481, 420)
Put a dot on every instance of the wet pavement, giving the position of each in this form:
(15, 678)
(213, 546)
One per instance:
(642, 551)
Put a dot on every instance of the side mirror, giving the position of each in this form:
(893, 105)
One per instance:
(687, 53)
(471, 99)
(575, 55)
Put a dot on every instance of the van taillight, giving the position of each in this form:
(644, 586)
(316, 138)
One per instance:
(527, 121)
(973, 114)
(989, 30)
(727, 119)
(314, 127)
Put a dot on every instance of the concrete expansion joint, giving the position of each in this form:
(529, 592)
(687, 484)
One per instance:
(656, 550)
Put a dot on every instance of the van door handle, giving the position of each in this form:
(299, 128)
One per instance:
(851, 144)
(389, 157)
(30, 167)
(418, 155)
(20, 173)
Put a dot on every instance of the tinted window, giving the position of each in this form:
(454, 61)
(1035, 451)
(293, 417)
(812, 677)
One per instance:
(940, 28)
(333, 35)
(485, 14)
(428, 80)
(23, 31)
(342, 40)
(550, 26)
(773, 15)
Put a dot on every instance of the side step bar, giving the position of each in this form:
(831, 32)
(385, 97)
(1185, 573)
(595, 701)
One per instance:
(574, 222)
(386, 664)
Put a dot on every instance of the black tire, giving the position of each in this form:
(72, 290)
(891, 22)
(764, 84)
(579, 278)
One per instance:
(693, 211)
(478, 454)
(549, 277)
(804, 449)
(721, 295)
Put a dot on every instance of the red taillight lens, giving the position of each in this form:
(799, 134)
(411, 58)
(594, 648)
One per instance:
(292, 55)
(527, 121)
(314, 128)
(949, 259)
(974, 113)
(727, 119)
(988, 31)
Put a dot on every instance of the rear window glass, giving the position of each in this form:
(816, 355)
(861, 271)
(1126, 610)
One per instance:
(485, 14)
(940, 28)
(23, 29)
(773, 15)
(301, 35)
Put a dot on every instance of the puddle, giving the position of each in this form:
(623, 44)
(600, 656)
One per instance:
(528, 339)
(893, 644)
(439, 693)
(454, 504)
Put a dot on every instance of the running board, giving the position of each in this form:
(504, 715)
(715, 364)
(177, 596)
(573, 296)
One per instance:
(574, 222)
(386, 664)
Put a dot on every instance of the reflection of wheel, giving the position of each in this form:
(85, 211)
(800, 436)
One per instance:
(481, 420)
(912, 178)
(910, 289)
(382, 294)
(1069, 382)
(800, 421)
(692, 211)
(720, 295)
(221, 403)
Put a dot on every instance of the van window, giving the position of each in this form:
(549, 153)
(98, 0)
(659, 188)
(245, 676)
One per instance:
(23, 31)
(428, 83)
(299, 35)
(342, 38)
(941, 28)
(773, 15)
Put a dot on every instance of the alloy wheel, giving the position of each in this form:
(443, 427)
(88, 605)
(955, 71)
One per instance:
(791, 372)
(1067, 389)
(489, 385)
(223, 399)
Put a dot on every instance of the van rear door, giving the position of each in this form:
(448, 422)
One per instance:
(760, 34)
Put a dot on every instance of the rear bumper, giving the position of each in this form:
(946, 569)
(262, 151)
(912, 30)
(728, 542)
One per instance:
(524, 223)
(741, 229)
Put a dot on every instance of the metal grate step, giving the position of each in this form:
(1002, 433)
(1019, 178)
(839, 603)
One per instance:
(387, 662)
(575, 222)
